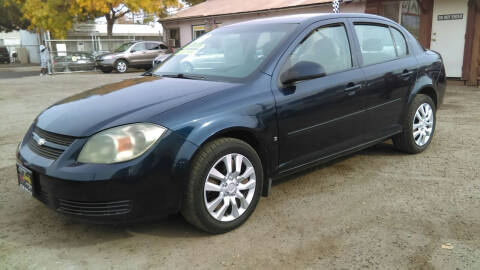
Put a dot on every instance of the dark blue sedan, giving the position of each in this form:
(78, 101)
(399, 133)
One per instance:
(229, 113)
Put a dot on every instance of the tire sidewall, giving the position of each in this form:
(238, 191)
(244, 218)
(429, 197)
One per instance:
(121, 61)
(199, 182)
(419, 100)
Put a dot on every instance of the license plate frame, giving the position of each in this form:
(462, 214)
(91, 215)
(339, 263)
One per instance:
(25, 179)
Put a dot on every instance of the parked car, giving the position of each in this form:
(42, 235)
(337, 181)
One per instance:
(78, 61)
(138, 54)
(208, 142)
(4, 55)
(99, 53)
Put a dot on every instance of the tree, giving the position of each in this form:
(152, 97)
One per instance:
(112, 10)
(58, 16)
(11, 17)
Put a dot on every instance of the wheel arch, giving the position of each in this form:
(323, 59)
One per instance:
(424, 85)
(248, 136)
(429, 91)
(121, 58)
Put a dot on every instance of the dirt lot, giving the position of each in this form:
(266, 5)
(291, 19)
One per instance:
(378, 209)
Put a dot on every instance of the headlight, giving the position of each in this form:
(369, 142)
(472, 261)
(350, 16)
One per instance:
(120, 144)
(106, 57)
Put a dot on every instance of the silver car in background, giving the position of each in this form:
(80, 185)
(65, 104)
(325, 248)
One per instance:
(138, 54)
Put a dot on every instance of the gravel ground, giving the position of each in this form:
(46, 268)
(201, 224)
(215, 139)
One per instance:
(377, 209)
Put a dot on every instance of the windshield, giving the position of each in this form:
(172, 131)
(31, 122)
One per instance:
(231, 52)
(123, 47)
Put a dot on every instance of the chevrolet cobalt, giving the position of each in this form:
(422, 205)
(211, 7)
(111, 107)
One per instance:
(234, 110)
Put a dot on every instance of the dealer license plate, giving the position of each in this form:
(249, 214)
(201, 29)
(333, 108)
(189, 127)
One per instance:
(25, 179)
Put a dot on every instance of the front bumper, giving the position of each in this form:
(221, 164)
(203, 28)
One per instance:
(104, 63)
(150, 186)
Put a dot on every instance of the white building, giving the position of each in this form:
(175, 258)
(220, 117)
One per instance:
(24, 43)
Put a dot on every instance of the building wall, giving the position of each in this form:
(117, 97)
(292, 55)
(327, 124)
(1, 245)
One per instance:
(24, 43)
(185, 26)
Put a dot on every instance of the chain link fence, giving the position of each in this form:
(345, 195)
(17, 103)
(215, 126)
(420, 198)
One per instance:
(77, 55)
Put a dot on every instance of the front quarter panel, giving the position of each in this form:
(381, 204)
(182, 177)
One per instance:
(246, 107)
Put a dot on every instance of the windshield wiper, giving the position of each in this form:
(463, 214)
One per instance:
(184, 76)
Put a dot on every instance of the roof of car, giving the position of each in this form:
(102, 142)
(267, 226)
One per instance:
(310, 17)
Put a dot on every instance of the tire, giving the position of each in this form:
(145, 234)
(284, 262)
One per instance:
(196, 196)
(106, 70)
(121, 66)
(407, 141)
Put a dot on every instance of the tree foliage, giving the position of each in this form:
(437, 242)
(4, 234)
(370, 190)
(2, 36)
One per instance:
(11, 17)
(58, 16)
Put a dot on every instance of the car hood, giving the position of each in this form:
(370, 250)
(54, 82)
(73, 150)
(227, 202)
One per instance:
(129, 101)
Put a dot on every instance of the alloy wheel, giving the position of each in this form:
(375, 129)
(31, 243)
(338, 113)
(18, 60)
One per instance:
(121, 66)
(423, 124)
(229, 187)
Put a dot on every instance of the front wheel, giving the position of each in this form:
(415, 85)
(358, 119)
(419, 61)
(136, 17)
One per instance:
(224, 186)
(418, 126)
(121, 66)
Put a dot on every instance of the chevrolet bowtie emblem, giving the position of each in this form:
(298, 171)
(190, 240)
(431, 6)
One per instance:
(41, 141)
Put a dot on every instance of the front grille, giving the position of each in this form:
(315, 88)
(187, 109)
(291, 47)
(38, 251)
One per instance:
(45, 151)
(48, 151)
(94, 208)
(54, 138)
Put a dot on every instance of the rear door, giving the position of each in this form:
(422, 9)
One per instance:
(323, 116)
(390, 70)
(154, 49)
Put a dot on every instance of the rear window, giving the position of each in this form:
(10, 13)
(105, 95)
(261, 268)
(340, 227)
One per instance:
(400, 43)
(376, 43)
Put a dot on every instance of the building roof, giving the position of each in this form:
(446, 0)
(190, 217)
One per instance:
(224, 7)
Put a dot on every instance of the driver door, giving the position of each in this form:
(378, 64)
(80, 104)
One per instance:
(138, 54)
(320, 117)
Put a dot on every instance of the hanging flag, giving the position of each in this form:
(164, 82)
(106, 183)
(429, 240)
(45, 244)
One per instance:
(336, 6)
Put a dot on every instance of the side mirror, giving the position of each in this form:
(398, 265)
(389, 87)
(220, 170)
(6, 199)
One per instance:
(132, 50)
(301, 71)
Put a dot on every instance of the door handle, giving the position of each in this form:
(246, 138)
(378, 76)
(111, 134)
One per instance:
(406, 73)
(352, 88)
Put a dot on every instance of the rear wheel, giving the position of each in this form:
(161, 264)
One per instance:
(224, 186)
(418, 126)
(121, 66)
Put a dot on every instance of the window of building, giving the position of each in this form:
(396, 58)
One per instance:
(406, 13)
(327, 46)
(376, 43)
(198, 31)
(174, 37)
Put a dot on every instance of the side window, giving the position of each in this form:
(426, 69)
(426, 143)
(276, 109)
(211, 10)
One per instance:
(163, 47)
(400, 42)
(153, 46)
(139, 47)
(376, 43)
(327, 46)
